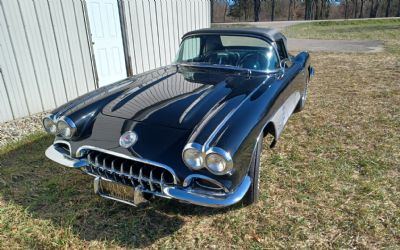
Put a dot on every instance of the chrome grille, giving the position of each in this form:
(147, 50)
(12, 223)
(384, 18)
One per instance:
(149, 178)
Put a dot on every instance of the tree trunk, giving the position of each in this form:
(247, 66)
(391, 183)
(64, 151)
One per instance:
(225, 9)
(316, 10)
(257, 7)
(290, 10)
(389, 2)
(321, 10)
(355, 8)
(346, 4)
(327, 10)
(398, 9)
(361, 9)
(374, 8)
(272, 10)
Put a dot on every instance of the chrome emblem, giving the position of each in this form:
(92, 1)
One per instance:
(127, 139)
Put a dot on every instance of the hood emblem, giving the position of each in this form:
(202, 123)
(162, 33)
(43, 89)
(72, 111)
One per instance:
(127, 139)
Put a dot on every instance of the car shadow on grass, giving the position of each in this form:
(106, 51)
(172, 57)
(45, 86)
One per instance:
(65, 196)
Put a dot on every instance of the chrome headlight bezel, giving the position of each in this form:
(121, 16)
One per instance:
(69, 126)
(225, 156)
(46, 125)
(197, 149)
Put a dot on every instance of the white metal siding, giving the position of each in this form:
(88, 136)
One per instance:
(154, 29)
(44, 55)
(45, 51)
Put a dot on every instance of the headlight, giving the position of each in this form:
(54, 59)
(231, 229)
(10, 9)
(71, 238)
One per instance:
(192, 156)
(218, 161)
(66, 128)
(49, 125)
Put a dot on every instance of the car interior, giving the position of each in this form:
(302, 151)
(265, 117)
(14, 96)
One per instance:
(212, 51)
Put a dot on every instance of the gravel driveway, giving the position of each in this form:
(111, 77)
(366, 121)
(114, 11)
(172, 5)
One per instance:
(346, 46)
(15, 130)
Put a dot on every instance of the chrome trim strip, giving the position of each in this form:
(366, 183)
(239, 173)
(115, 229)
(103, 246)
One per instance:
(145, 161)
(207, 200)
(206, 145)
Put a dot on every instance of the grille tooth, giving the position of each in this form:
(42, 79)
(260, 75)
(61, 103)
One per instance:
(113, 165)
(96, 159)
(162, 180)
(141, 177)
(121, 169)
(150, 178)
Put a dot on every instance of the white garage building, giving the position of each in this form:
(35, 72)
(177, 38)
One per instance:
(52, 51)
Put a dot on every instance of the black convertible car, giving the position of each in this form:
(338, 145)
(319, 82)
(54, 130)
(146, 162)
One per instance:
(190, 131)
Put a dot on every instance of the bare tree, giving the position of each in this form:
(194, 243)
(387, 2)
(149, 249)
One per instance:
(346, 6)
(226, 8)
(361, 9)
(290, 13)
(257, 8)
(398, 9)
(272, 10)
(355, 3)
(374, 8)
(308, 9)
(389, 3)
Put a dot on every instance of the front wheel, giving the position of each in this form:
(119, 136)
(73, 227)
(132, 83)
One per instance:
(254, 173)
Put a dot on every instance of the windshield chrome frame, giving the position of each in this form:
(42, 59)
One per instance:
(270, 42)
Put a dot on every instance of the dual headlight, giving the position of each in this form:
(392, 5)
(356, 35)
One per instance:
(216, 160)
(64, 126)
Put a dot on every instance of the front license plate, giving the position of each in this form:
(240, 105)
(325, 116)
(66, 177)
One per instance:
(116, 191)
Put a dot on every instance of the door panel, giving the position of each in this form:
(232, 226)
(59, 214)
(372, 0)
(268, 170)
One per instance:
(108, 47)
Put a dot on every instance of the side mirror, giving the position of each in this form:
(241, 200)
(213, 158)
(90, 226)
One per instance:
(285, 63)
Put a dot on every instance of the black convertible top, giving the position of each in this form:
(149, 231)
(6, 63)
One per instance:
(270, 34)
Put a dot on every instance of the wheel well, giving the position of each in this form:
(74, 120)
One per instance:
(269, 129)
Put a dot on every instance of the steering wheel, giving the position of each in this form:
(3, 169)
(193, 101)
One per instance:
(256, 61)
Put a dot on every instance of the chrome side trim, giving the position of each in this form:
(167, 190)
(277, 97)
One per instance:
(53, 154)
(282, 115)
(207, 200)
(227, 117)
(145, 161)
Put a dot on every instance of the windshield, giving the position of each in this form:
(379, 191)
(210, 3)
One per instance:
(228, 50)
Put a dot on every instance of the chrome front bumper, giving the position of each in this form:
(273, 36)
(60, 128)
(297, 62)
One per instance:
(183, 193)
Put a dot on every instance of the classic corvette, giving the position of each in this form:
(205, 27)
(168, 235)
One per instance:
(191, 131)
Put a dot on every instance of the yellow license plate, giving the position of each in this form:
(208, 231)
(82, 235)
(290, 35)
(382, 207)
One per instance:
(114, 190)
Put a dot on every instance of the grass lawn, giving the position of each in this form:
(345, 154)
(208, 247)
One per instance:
(333, 180)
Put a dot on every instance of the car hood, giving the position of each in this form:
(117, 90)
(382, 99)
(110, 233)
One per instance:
(179, 97)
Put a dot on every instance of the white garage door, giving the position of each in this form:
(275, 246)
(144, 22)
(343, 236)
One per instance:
(108, 48)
